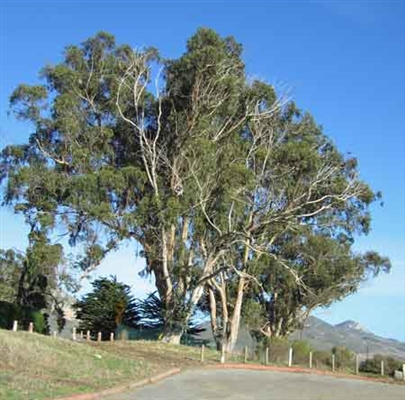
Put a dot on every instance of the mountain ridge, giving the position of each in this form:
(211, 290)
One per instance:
(324, 336)
(350, 324)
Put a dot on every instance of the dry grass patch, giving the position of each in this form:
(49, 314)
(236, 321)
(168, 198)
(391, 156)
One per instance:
(34, 366)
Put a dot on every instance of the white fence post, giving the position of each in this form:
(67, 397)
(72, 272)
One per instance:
(290, 357)
(222, 353)
(310, 359)
(15, 326)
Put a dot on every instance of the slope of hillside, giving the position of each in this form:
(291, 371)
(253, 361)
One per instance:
(34, 366)
(37, 366)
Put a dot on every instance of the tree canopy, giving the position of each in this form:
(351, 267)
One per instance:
(10, 270)
(207, 169)
(107, 306)
(327, 271)
(30, 278)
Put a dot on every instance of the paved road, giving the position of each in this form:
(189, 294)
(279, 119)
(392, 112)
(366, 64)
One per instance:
(262, 385)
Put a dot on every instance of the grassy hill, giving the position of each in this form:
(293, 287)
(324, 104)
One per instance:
(34, 366)
(37, 366)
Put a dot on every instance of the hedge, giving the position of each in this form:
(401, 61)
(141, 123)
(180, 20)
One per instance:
(10, 312)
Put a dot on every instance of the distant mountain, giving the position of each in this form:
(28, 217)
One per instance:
(324, 336)
(349, 325)
(350, 334)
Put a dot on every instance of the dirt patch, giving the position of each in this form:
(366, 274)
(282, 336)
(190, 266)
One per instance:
(159, 356)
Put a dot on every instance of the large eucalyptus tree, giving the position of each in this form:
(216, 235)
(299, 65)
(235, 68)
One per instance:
(200, 165)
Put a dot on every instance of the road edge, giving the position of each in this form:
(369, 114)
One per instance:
(301, 370)
(122, 388)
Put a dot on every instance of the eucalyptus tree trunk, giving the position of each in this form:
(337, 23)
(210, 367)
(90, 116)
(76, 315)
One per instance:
(234, 323)
(226, 335)
(171, 335)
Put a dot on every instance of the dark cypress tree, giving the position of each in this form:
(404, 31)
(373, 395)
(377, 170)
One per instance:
(109, 305)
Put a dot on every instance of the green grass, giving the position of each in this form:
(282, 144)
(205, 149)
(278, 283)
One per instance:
(34, 366)
(39, 367)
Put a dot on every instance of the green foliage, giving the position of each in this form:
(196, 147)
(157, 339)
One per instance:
(344, 358)
(322, 359)
(254, 316)
(301, 350)
(109, 305)
(10, 270)
(191, 171)
(28, 101)
(323, 270)
(154, 316)
(32, 276)
(29, 281)
(373, 365)
(10, 312)
(278, 349)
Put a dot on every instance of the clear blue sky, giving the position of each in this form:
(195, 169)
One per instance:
(343, 60)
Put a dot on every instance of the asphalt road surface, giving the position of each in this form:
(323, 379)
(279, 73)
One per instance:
(262, 385)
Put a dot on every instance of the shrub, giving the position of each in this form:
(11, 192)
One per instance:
(374, 365)
(321, 359)
(301, 350)
(10, 312)
(278, 349)
(344, 358)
